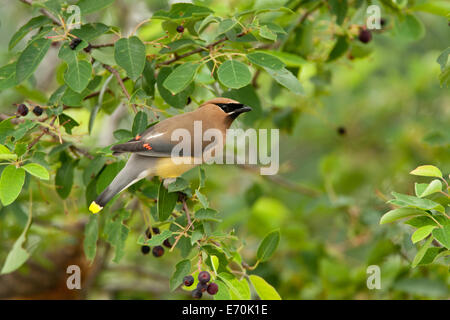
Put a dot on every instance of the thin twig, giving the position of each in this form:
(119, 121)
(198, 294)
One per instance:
(122, 85)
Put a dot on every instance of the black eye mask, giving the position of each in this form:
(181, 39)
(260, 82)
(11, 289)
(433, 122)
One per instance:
(229, 107)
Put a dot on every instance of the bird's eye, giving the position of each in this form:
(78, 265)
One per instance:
(230, 107)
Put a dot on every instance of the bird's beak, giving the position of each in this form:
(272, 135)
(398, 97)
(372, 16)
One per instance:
(243, 109)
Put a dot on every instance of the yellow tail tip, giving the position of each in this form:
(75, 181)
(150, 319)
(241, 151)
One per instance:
(94, 207)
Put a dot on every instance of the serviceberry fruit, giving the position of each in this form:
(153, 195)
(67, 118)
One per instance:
(212, 288)
(155, 230)
(74, 43)
(365, 35)
(180, 29)
(167, 244)
(158, 251)
(341, 131)
(204, 277)
(145, 249)
(22, 110)
(38, 110)
(188, 281)
(197, 294)
(202, 286)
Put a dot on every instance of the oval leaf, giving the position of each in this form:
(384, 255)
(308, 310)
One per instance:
(78, 75)
(422, 233)
(130, 55)
(11, 183)
(427, 171)
(400, 213)
(264, 290)
(268, 246)
(181, 77)
(31, 57)
(37, 170)
(234, 74)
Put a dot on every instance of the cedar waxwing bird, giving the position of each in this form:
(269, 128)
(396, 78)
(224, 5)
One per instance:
(151, 150)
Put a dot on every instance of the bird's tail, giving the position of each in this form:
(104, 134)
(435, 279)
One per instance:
(129, 175)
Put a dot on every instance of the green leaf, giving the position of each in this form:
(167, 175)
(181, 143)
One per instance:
(202, 198)
(37, 170)
(289, 59)
(20, 149)
(226, 25)
(234, 74)
(286, 79)
(104, 55)
(67, 122)
(166, 202)
(6, 154)
(64, 178)
(339, 9)
(339, 48)
(414, 202)
(91, 237)
(179, 100)
(179, 184)
(130, 55)
(443, 235)
(117, 233)
(180, 77)
(238, 289)
(108, 175)
(78, 75)
(177, 45)
(89, 6)
(427, 171)
(400, 213)
(268, 246)
(139, 123)
(182, 269)
(207, 215)
(433, 187)
(441, 8)
(30, 58)
(222, 293)
(11, 183)
(421, 221)
(155, 240)
(18, 255)
(90, 31)
(422, 233)
(8, 76)
(34, 23)
(409, 28)
(182, 11)
(264, 290)
(202, 177)
(421, 253)
(265, 60)
(266, 33)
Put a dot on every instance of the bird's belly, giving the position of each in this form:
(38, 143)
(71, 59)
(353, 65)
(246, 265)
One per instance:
(167, 168)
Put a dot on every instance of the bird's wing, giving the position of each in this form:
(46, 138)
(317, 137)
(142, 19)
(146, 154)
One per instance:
(154, 142)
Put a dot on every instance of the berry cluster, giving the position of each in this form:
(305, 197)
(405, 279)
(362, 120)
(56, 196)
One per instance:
(22, 110)
(203, 278)
(157, 251)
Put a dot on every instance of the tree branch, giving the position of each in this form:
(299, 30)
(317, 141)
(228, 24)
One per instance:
(119, 80)
(44, 12)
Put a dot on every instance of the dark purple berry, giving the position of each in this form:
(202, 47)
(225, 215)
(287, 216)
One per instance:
(88, 49)
(212, 288)
(38, 110)
(22, 110)
(74, 43)
(197, 294)
(158, 251)
(148, 234)
(167, 244)
(188, 281)
(180, 29)
(341, 131)
(204, 277)
(145, 249)
(155, 230)
(365, 35)
(202, 286)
